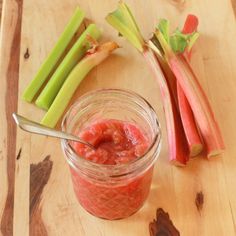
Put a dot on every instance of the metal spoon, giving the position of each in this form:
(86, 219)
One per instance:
(36, 128)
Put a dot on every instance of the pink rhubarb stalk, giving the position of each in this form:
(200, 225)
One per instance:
(123, 21)
(178, 149)
(190, 128)
(196, 97)
(199, 103)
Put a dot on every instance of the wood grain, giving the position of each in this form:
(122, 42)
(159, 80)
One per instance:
(39, 176)
(11, 100)
(199, 200)
(177, 191)
(162, 225)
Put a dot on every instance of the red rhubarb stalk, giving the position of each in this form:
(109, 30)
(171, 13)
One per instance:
(190, 128)
(190, 26)
(197, 99)
(180, 43)
(184, 110)
(178, 149)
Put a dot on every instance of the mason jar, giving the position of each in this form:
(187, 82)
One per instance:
(112, 191)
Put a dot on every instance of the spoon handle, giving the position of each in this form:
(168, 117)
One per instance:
(36, 128)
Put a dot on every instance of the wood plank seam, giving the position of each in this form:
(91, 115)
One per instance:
(11, 100)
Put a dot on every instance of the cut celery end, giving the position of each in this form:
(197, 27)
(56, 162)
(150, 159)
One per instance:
(52, 59)
(78, 50)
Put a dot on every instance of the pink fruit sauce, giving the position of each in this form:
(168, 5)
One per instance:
(116, 143)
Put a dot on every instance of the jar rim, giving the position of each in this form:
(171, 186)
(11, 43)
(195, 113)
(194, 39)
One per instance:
(156, 140)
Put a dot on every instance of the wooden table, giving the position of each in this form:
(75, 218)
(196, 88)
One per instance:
(35, 183)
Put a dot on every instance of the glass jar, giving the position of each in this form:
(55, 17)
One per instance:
(112, 191)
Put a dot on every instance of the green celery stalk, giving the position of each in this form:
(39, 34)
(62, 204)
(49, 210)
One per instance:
(72, 82)
(78, 50)
(54, 55)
